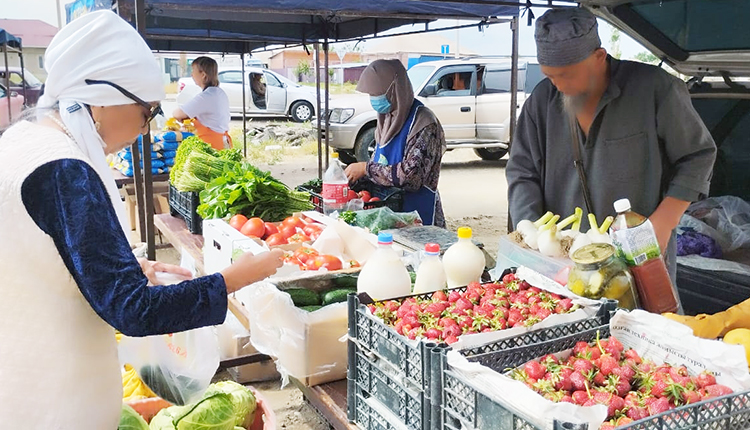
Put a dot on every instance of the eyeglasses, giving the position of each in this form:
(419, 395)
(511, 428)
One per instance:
(153, 111)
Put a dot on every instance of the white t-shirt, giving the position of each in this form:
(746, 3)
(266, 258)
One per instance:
(211, 108)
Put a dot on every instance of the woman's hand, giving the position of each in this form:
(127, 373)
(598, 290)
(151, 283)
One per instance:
(250, 268)
(150, 268)
(356, 171)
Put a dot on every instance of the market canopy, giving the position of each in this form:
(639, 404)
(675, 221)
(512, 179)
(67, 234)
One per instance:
(242, 25)
(9, 39)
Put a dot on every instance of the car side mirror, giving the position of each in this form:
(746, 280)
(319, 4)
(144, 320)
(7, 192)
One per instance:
(429, 90)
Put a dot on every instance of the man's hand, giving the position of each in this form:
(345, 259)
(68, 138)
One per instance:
(356, 171)
(665, 219)
(250, 268)
(151, 267)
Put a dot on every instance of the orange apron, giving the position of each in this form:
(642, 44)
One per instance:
(213, 138)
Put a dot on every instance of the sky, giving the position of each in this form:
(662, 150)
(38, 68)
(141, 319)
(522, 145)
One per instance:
(494, 40)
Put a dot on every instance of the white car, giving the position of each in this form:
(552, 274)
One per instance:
(470, 97)
(283, 97)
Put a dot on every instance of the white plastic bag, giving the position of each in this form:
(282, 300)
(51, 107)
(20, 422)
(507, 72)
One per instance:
(729, 215)
(177, 367)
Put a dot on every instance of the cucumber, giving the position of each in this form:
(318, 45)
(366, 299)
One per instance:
(337, 296)
(311, 308)
(302, 297)
(345, 281)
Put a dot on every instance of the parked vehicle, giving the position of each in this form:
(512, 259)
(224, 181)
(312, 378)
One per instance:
(18, 81)
(471, 98)
(705, 41)
(16, 107)
(283, 97)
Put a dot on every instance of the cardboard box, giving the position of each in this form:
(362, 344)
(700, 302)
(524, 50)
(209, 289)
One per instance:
(234, 341)
(161, 204)
(220, 243)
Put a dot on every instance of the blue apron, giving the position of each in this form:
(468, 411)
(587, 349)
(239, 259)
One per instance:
(423, 200)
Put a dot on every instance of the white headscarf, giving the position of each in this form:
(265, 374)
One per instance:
(99, 46)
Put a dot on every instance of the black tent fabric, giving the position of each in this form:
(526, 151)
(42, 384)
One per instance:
(11, 40)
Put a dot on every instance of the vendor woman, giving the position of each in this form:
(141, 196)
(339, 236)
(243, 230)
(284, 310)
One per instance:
(410, 141)
(209, 109)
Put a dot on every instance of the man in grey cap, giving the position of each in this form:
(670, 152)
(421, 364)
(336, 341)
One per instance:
(631, 125)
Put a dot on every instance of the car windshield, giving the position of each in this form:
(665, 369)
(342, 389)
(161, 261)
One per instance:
(419, 74)
(694, 25)
(285, 81)
(31, 80)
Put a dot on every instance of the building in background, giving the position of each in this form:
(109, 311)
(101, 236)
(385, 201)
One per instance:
(35, 36)
(298, 64)
(412, 49)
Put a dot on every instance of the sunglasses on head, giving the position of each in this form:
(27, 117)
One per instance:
(153, 110)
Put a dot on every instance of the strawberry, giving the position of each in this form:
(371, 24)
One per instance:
(603, 397)
(433, 334)
(580, 397)
(632, 399)
(564, 306)
(482, 312)
(599, 379)
(436, 309)
(583, 366)
(567, 399)
(473, 297)
(549, 358)
(452, 331)
(453, 296)
(534, 369)
(534, 300)
(534, 309)
(543, 313)
(579, 348)
(391, 306)
(678, 372)
(659, 406)
(510, 277)
(439, 296)
(692, 396)
(607, 426)
(514, 316)
(447, 321)
(618, 386)
(564, 381)
(450, 339)
(637, 413)
(659, 389)
(412, 321)
(464, 304)
(625, 373)
(623, 421)
(614, 345)
(607, 364)
(399, 327)
(615, 405)
(403, 310)
(705, 379)
(580, 383)
(632, 354)
(716, 390)
(414, 333)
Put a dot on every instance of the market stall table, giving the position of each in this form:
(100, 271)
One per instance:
(329, 399)
(122, 180)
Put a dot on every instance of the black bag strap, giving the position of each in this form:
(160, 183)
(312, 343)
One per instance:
(578, 163)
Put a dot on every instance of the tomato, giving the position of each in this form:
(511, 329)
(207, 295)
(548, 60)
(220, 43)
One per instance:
(365, 196)
(299, 238)
(328, 262)
(351, 195)
(312, 229)
(254, 227)
(238, 221)
(289, 258)
(374, 199)
(276, 239)
(270, 229)
(304, 254)
(294, 221)
(308, 220)
(354, 263)
(288, 231)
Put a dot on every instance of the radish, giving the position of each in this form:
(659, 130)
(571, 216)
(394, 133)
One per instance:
(529, 230)
(549, 244)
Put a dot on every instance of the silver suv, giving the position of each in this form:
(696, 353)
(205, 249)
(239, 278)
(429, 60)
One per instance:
(470, 96)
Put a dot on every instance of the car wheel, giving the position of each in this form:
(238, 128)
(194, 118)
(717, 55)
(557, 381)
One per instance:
(365, 145)
(346, 157)
(491, 154)
(301, 111)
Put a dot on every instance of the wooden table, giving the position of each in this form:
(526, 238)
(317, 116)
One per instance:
(329, 399)
(121, 179)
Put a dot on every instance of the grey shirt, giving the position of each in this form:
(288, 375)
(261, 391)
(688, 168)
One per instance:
(646, 142)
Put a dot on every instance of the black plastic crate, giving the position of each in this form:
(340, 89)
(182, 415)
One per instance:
(703, 291)
(184, 204)
(391, 197)
(466, 408)
(369, 417)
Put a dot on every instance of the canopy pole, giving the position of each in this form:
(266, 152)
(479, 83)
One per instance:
(148, 204)
(23, 75)
(244, 104)
(513, 92)
(7, 82)
(320, 114)
(327, 95)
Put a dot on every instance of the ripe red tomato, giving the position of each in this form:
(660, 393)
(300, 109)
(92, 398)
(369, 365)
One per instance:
(288, 231)
(365, 196)
(298, 238)
(374, 199)
(276, 239)
(328, 262)
(238, 221)
(354, 263)
(351, 195)
(304, 254)
(294, 221)
(312, 229)
(254, 227)
(270, 229)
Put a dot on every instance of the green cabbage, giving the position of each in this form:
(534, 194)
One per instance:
(163, 420)
(243, 399)
(131, 420)
(214, 412)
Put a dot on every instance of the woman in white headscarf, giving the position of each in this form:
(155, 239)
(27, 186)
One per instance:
(69, 278)
(410, 141)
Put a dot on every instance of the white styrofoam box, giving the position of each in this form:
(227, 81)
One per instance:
(220, 241)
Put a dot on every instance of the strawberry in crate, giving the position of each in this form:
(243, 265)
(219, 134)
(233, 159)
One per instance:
(605, 373)
(480, 308)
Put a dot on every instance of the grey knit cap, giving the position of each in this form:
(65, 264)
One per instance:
(566, 36)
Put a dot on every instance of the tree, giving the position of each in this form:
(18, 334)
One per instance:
(614, 43)
(303, 69)
(646, 57)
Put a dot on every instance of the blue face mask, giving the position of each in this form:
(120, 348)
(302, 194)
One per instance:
(380, 104)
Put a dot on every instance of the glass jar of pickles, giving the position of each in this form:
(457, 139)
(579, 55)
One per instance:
(599, 273)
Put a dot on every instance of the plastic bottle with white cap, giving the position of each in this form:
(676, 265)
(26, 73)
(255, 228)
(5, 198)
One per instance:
(384, 276)
(463, 262)
(431, 274)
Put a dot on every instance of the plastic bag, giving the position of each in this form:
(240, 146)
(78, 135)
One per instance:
(177, 367)
(729, 215)
(385, 219)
